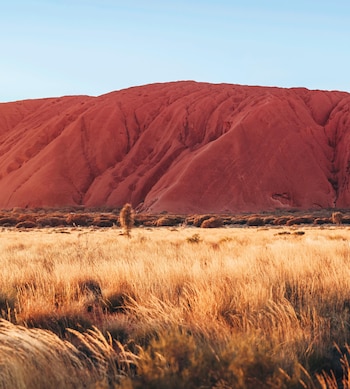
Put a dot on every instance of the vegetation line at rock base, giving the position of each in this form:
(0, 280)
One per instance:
(81, 217)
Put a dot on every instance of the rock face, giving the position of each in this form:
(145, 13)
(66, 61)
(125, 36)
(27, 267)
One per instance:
(182, 147)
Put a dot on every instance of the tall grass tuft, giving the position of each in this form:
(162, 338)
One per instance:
(39, 359)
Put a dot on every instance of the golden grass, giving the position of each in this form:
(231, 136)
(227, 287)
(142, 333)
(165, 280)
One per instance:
(230, 307)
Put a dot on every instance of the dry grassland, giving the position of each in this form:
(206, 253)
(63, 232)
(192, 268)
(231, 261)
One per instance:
(175, 308)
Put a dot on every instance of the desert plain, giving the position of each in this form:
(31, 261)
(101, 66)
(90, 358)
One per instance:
(175, 307)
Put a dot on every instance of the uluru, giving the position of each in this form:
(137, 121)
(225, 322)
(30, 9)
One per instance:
(180, 147)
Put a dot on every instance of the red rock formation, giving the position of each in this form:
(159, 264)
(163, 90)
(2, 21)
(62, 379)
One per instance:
(181, 147)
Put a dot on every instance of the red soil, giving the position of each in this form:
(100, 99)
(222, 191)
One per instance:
(181, 147)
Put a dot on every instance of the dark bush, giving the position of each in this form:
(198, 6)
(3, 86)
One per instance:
(213, 222)
(199, 219)
(282, 220)
(195, 238)
(58, 323)
(226, 220)
(322, 220)
(101, 222)
(255, 221)
(238, 220)
(8, 221)
(26, 224)
(345, 220)
(269, 220)
(337, 218)
(90, 287)
(51, 221)
(189, 221)
(300, 220)
(169, 221)
(118, 302)
(23, 217)
(114, 219)
(77, 219)
(7, 306)
(145, 220)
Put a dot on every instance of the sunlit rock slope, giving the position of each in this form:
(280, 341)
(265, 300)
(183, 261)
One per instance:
(182, 147)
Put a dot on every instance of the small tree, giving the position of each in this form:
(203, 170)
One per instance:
(127, 219)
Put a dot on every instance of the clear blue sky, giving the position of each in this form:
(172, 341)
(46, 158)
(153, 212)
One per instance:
(63, 47)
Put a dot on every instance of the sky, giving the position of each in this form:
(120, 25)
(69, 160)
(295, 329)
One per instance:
(51, 48)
